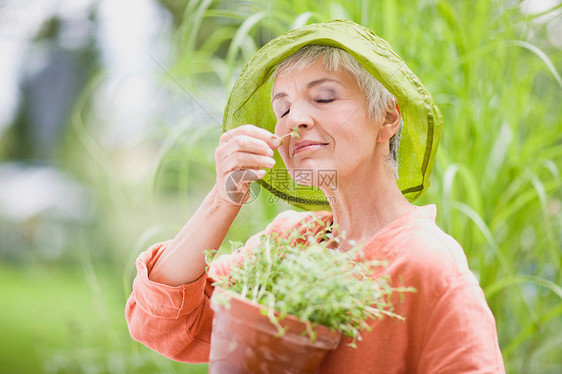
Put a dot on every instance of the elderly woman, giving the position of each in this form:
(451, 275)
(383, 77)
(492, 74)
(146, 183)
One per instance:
(326, 83)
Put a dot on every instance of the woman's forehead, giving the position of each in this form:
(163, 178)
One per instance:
(308, 77)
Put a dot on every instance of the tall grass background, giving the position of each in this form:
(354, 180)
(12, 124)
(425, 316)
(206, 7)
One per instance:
(496, 181)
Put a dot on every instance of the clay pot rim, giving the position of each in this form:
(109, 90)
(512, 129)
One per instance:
(324, 335)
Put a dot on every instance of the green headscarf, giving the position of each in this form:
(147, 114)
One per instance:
(250, 103)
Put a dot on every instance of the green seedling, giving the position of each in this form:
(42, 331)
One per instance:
(293, 134)
(299, 274)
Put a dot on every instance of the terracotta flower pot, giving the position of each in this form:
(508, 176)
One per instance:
(243, 340)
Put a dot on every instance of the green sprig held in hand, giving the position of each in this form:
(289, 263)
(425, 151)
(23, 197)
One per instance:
(293, 134)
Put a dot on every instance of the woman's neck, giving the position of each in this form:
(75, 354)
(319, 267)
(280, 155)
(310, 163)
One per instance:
(365, 204)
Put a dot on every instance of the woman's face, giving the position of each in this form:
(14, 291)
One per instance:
(331, 113)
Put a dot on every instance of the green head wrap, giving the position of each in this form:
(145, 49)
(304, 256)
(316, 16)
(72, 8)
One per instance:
(250, 102)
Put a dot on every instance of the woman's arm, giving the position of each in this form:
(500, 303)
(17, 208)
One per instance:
(240, 155)
(176, 321)
(169, 308)
(183, 260)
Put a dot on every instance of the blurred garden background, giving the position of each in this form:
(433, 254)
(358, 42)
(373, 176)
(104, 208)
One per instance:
(110, 111)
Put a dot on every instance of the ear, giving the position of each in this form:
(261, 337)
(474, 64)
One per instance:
(390, 124)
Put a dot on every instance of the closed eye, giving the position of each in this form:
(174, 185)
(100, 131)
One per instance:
(324, 101)
(284, 114)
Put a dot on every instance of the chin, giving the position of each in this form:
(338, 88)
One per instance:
(312, 164)
(312, 172)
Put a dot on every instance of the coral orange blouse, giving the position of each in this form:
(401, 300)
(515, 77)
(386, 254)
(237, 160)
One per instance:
(448, 327)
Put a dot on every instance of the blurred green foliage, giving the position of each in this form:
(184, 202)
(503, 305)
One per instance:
(496, 180)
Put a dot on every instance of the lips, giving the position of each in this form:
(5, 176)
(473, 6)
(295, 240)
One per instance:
(306, 144)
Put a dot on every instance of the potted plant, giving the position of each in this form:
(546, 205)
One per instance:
(287, 303)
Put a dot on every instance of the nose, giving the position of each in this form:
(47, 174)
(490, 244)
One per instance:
(299, 116)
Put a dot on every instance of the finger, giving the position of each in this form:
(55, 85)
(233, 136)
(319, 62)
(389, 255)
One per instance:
(244, 161)
(247, 175)
(246, 143)
(253, 131)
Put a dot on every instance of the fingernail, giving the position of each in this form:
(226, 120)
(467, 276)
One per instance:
(260, 173)
(275, 142)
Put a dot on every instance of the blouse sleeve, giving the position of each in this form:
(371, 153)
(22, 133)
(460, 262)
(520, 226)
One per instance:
(177, 321)
(174, 321)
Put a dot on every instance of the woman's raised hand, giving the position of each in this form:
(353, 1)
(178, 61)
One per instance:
(241, 157)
